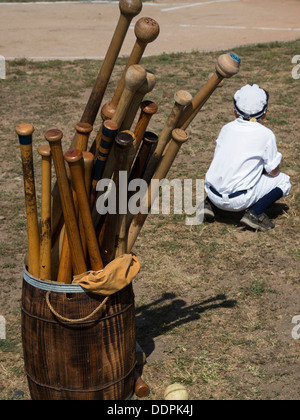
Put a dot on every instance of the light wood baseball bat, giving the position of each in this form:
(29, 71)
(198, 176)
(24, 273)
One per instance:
(135, 77)
(83, 131)
(128, 10)
(64, 274)
(46, 243)
(182, 99)
(178, 138)
(146, 31)
(88, 163)
(146, 87)
(25, 132)
(226, 67)
(75, 161)
(54, 138)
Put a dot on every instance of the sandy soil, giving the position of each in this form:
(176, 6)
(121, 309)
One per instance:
(77, 30)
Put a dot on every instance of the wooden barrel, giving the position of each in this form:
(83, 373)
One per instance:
(76, 345)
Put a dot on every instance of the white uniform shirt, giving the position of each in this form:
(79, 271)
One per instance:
(244, 149)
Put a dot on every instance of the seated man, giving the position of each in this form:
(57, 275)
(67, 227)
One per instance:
(244, 173)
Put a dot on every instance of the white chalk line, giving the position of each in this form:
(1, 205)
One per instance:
(203, 3)
(56, 3)
(258, 28)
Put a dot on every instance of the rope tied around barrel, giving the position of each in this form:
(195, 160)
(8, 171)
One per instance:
(62, 318)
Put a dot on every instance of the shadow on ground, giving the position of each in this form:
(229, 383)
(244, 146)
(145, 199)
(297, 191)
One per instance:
(163, 315)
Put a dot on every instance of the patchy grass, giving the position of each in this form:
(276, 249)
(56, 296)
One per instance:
(214, 302)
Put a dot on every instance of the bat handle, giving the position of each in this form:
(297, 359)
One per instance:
(46, 243)
(83, 131)
(141, 389)
(148, 109)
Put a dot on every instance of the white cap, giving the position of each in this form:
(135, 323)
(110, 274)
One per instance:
(251, 101)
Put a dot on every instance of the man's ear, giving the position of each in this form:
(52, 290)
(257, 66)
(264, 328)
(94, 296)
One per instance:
(262, 118)
(235, 113)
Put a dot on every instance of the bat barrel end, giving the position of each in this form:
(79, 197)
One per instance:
(24, 129)
(44, 150)
(179, 135)
(182, 97)
(146, 30)
(54, 135)
(130, 7)
(228, 65)
(73, 155)
(84, 128)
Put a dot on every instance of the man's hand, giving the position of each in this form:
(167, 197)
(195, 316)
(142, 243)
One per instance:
(275, 172)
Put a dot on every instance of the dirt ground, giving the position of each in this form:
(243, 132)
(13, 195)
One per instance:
(68, 29)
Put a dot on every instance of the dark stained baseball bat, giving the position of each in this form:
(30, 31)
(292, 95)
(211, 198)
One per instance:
(146, 31)
(109, 131)
(25, 132)
(113, 222)
(182, 100)
(226, 67)
(75, 161)
(128, 10)
(54, 138)
(148, 144)
(179, 137)
(138, 169)
(46, 242)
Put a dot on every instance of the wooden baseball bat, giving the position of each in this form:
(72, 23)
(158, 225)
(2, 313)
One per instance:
(182, 99)
(149, 142)
(88, 163)
(64, 274)
(135, 77)
(141, 389)
(146, 87)
(137, 172)
(148, 109)
(54, 138)
(65, 264)
(46, 243)
(83, 131)
(146, 31)
(227, 66)
(25, 132)
(128, 10)
(178, 138)
(75, 161)
(123, 142)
